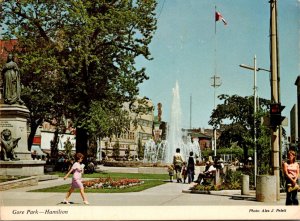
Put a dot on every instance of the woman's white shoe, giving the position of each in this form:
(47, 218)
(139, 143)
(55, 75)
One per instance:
(66, 201)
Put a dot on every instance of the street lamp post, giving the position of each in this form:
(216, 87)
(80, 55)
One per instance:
(255, 69)
(215, 82)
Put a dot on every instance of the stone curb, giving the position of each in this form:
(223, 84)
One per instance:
(28, 181)
(232, 195)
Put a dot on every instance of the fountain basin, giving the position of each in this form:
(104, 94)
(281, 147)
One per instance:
(152, 170)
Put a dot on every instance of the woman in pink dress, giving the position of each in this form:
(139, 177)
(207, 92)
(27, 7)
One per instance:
(291, 172)
(77, 171)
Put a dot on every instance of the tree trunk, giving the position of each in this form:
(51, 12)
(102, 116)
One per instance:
(245, 154)
(33, 127)
(54, 145)
(81, 141)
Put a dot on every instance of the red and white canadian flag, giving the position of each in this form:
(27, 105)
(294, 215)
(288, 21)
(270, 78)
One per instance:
(220, 17)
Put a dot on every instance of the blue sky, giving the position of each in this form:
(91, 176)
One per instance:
(183, 50)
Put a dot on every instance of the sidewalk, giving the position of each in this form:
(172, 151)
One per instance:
(168, 194)
(167, 201)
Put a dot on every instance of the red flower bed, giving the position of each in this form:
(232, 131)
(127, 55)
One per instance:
(111, 183)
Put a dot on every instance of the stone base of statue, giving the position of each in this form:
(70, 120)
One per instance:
(14, 118)
(15, 156)
(22, 168)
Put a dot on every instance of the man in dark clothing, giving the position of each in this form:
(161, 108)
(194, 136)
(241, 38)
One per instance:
(191, 168)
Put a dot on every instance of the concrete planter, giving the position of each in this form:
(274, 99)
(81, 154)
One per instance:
(245, 185)
(266, 188)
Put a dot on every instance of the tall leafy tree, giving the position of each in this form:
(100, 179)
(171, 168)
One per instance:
(76, 53)
(235, 118)
(34, 26)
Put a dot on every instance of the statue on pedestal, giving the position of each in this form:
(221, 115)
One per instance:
(11, 82)
(8, 144)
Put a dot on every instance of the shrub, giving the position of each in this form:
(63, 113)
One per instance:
(232, 181)
(206, 153)
(248, 170)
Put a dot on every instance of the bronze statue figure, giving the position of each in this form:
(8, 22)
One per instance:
(8, 144)
(11, 82)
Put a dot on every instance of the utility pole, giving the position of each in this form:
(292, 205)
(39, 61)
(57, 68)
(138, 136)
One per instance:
(275, 147)
(254, 117)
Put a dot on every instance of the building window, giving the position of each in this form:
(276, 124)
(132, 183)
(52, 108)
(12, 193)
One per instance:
(145, 136)
(145, 123)
(131, 135)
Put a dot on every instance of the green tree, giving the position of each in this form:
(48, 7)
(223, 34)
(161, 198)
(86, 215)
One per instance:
(127, 152)
(235, 119)
(103, 122)
(106, 148)
(68, 147)
(140, 150)
(264, 151)
(116, 150)
(235, 151)
(76, 53)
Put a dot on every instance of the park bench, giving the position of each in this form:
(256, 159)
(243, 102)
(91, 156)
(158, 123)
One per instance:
(213, 179)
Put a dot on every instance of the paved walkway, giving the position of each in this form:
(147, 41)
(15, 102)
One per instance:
(168, 194)
(162, 197)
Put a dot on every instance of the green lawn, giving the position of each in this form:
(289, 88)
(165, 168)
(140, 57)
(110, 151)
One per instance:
(141, 176)
(150, 180)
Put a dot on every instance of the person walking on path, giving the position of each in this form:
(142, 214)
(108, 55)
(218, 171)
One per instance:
(291, 172)
(191, 168)
(77, 171)
(178, 161)
(171, 172)
(184, 172)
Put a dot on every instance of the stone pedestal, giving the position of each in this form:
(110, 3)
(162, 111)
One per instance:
(22, 168)
(266, 188)
(14, 118)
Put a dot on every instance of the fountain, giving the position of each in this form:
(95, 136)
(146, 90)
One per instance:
(192, 145)
(154, 152)
(164, 151)
(174, 135)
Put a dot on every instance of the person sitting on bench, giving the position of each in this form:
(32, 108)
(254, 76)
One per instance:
(208, 173)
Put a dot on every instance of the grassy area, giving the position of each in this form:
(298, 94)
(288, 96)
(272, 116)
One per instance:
(141, 176)
(150, 180)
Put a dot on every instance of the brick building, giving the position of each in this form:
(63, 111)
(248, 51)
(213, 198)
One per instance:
(6, 46)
